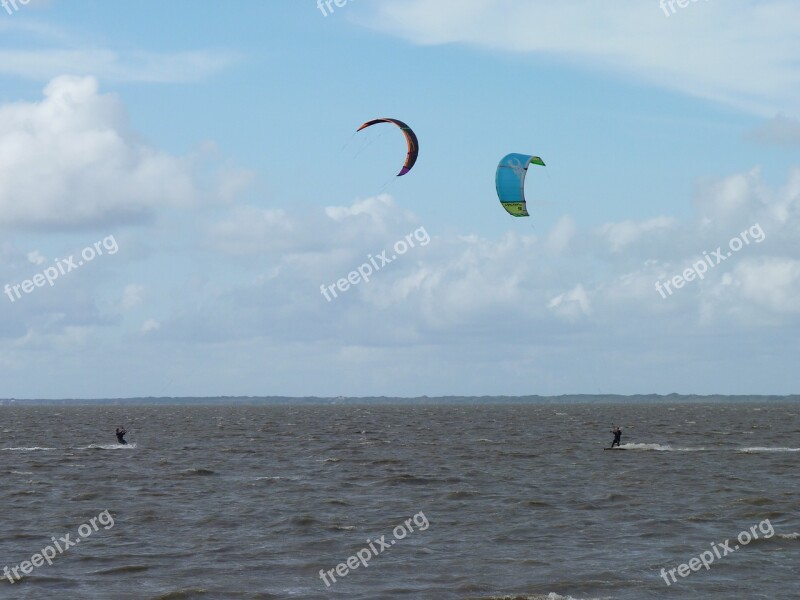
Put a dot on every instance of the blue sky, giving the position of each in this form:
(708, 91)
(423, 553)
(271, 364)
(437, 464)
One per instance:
(216, 144)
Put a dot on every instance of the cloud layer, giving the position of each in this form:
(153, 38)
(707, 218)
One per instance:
(237, 295)
(740, 52)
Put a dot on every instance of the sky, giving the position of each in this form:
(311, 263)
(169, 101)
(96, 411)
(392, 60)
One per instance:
(186, 208)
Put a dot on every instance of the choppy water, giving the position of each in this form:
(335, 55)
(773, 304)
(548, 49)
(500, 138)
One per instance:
(520, 501)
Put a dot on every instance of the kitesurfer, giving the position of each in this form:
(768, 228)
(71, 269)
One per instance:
(121, 431)
(617, 435)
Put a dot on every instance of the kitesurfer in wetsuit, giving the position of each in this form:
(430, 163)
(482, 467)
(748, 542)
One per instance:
(121, 431)
(617, 435)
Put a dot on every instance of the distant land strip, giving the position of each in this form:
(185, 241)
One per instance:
(420, 400)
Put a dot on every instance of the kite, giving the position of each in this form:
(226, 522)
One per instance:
(510, 182)
(411, 138)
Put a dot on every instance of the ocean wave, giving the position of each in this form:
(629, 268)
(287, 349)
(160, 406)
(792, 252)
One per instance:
(460, 494)
(31, 449)
(197, 472)
(121, 570)
(182, 594)
(756, 501)
(405, 478)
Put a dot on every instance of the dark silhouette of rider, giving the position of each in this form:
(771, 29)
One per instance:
(121, 431)
(617, 435)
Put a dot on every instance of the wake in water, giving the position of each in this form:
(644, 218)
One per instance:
(108, 447)
(89, 447)
(668, 448)
(761, 449)
(657, 447)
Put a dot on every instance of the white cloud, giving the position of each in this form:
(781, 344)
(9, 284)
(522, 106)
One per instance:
(74, 162)
(132, 296)
(482, 288)
(55, 50)
(571, 305)
(744, 53)
(621, 235)
(150, 325)
(108, 65)
(772, 283)
(375, 208)
(36, 258)
(562, 235)
(251, 230)
(335, 231)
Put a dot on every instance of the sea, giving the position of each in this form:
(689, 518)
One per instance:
(429, 502)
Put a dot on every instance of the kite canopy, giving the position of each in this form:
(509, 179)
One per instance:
(411, 138)
(510, 181)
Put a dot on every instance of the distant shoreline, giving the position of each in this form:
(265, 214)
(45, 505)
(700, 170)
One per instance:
(651, 399)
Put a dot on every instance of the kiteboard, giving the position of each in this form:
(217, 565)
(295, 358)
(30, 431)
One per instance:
(614, 448)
